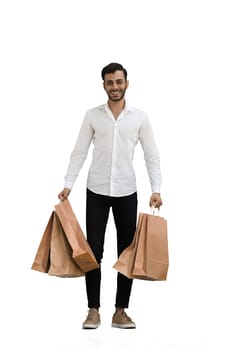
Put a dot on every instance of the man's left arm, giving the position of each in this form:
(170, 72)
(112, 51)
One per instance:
(152, 160)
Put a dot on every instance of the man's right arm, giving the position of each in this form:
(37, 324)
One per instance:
(78, 156)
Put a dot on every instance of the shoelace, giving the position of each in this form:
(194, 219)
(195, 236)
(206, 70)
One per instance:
(124, 314)
(90, 314)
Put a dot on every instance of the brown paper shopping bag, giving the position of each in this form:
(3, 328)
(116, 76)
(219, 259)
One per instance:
(54, 255)
(125, 262)
(147, 256)
(82, 252)
(151, 260)
(42, 259)
(61, 261)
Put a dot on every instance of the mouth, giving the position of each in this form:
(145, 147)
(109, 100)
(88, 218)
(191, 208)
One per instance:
(115, 93)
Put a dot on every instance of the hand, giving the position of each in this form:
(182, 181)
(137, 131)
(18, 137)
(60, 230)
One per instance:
(155, 200)
(64, 194)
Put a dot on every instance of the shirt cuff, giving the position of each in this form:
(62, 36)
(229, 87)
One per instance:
(156, 189)
(69, 185)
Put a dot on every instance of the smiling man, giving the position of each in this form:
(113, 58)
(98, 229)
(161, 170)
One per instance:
(115, 128)
(115, 86)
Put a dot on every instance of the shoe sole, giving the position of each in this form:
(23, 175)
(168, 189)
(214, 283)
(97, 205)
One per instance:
(123, 326)
(91, 326)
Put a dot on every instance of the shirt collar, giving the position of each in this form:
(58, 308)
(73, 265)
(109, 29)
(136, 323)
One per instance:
(127, 108)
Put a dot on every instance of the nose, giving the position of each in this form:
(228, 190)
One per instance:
(114, 86)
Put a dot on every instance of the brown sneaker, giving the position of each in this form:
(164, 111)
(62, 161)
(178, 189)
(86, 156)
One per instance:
(93, 319)
(121, 320)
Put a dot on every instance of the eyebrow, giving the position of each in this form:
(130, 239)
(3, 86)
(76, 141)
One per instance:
(117, 80)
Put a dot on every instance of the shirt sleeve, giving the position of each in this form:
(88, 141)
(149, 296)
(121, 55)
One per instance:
(151, 155)
(79, 152)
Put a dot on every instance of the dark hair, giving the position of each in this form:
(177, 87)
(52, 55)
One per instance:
(112, 68)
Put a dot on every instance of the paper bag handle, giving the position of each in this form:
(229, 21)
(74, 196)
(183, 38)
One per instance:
(153, 209)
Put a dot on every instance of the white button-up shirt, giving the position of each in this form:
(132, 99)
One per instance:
(111, 172)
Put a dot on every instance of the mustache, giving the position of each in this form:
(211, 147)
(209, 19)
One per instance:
(122, 95)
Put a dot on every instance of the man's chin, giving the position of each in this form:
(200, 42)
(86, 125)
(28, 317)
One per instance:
(116, 99)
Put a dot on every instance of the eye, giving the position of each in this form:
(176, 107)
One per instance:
(108, 83)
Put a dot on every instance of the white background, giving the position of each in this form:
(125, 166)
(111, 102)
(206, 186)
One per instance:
(179, 58)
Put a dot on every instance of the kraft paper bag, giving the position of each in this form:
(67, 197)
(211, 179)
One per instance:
(147, 256)
(42, 259)
(61, 261)
(54, 255)
(126, 260)
(151, 260)
(82, 253)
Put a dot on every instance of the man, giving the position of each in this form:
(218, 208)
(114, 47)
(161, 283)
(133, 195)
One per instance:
(114, 128)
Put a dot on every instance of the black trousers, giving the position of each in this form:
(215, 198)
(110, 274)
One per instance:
(124, 211)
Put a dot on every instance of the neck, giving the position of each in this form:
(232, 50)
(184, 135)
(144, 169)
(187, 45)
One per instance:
(116, 107)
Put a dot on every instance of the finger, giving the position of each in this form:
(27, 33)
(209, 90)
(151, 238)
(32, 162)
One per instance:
(62, 196)
(157, 204)
(151, 203)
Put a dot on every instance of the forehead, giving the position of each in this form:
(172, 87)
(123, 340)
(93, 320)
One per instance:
(118, 74)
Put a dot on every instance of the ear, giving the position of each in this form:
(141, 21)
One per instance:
(127, 84)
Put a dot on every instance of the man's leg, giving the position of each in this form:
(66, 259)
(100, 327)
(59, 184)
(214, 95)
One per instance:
(125, 217)
(97, 211)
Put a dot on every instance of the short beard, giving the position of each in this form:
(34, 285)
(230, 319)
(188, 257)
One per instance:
(118, 99)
